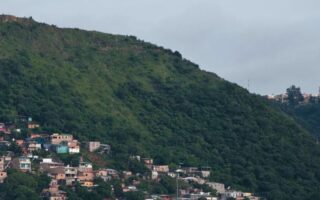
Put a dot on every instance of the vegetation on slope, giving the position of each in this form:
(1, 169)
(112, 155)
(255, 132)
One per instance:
(305, 111)
(146, 100)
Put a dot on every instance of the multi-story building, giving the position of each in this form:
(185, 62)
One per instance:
(22, 163)
(58, 138)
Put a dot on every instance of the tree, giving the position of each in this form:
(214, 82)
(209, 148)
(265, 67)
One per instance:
(294, 95)
(134, 195)
(117, 189)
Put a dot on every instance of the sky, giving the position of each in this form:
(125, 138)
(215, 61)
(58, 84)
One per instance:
(262, 45)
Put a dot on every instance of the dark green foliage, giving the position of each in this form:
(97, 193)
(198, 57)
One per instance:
(294, 95)
(146, 100)
(134, 195)
(15, 148)
(169, 184)
(117, 189)
(137, 167)
(104, 189)
(20, 186)
(70, 159)
(308, 115)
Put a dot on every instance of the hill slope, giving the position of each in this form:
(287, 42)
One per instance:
(143, 99)
(307, 115)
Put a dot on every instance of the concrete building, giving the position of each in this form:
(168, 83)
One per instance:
(219, 187)
(23, 164)
(161, 168)
(58, 138)
(93, 146)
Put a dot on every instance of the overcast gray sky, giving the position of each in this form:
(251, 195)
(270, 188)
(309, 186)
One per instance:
(272, 43)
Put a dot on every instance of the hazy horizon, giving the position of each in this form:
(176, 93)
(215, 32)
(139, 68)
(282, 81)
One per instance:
(270, 43)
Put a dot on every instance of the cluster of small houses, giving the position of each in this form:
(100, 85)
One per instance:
(306, 98)
(198, 175)
(84, 174)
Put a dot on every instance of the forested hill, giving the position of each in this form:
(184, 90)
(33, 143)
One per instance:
(308, 115)
(147, 100)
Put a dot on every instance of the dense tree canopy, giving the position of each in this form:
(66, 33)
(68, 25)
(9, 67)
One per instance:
(149, 101)
(294, 95)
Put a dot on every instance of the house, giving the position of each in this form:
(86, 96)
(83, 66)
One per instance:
(130, 188)
(84, 176)
(248, 195)
(205, 172)
(33, 125)
(194, 179)
(22, 163)
(113, 173)
(71, 174)
(2, 163)
(172, 174)
(104, 149)
(4, 128)
(74, 147)
(233, 194)
(191, 170)
(93, 146)
(103, 174)
(161, 168)
(58, 138)
(61, 148)
(35, 135)
(137, 157)
(85, 166)
(48, 147)
(39, 138)
(126, 173)
(20, 142)
(154, 175)
(3, 176)
(165, 197)
(85, 173)
(202, 195)
(5, 143)
(148, 162)
(48, 163)
(57, 174)
(219, 187)
(87, 184)
(53, 192)
(33, 146)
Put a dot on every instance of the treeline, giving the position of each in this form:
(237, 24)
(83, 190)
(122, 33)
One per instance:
(144, 100)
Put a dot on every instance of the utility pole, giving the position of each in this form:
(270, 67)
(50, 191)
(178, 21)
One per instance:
(177, 185)
(177, 181)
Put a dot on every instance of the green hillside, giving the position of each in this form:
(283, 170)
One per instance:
(307, 115)
(147, 100)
